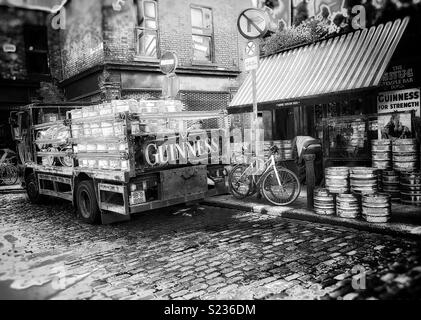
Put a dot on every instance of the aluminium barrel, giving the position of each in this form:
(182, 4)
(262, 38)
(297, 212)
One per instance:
(347, 206)
(381, 153)
(337, 179)
(363, 180)
(410, 188)
(391, 183)
(376, 208)
(405, 155)
(324, 202)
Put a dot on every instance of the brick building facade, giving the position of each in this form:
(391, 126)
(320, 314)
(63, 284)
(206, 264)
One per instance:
(110, 49)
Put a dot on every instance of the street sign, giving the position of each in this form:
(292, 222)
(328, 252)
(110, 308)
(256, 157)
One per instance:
(251, 63)
(168, 63)
(251, 49)
(252, 23)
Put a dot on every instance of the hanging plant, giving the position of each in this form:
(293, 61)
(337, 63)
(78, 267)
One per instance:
(308, 31)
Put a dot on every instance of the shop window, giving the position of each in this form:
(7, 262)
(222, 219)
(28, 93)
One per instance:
(36, 49)
(202, 34)
(147, 30)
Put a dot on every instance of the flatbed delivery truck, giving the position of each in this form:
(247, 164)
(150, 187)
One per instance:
(118, 158)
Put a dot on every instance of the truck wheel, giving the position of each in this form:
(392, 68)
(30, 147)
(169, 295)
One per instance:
(32, 189)
(86, 203)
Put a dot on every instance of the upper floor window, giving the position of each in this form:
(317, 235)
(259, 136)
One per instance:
(147, 30)
(36, 49)
(202, 34)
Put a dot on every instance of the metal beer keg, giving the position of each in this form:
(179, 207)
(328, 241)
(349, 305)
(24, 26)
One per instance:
(363, 180)
(381, 153)
(410, 186)
(347, 206)
(324, 203)
(337, 179)
(405, 156)
(266, 149)
(376, 207)
(390, 183)
(284, 149)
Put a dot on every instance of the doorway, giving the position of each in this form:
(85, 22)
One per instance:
(290, 122)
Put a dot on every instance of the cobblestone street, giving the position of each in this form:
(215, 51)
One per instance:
(208, 253)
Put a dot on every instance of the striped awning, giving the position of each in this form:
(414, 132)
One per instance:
(355, 60)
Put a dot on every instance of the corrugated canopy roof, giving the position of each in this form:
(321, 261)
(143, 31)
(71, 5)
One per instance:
(352, 61)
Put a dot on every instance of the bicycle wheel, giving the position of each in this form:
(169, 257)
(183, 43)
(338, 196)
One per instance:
(2, 174)
(240, 183)
(9, 175)
(280, 192)
(13, 174)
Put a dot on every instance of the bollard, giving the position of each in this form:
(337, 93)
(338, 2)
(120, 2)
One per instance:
(310, 179)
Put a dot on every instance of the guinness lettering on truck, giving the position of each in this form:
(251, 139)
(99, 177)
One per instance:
(203, 147)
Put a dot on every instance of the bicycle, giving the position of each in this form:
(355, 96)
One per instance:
(277, 184)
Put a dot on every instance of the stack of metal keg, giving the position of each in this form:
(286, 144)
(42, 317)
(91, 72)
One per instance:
(381, 154)
(363, 180)
(347, 206)
(405, 155)
(376, 207)
(284, 149)
(410, 187)
(266, 149)
(337, 179)
(324, 203)
(390, 184)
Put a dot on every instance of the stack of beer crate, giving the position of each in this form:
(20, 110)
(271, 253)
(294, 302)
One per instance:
(99, 133)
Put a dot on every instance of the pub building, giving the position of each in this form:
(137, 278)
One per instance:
(353, 92)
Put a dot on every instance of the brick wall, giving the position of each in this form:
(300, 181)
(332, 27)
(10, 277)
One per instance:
(206, 101)
(12, 20)
(175, 31)
(92, 24)
(193, 101)
(82, 39)
(142, 95)
(119, 45)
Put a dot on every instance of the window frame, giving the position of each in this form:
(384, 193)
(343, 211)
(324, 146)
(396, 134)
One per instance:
(205, 33)
(141, 28)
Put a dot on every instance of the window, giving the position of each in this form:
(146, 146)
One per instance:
(147, 30)
(202, 33)
(36, 48)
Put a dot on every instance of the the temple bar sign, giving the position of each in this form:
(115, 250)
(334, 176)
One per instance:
(400, 100)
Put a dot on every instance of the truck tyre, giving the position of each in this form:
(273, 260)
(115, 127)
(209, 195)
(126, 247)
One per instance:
(32, 189)
(87, 204)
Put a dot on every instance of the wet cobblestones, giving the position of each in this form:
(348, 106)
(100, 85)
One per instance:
(46, 253)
